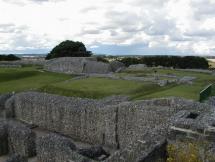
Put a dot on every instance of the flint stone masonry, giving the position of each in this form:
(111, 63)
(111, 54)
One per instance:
(3, 139)
(82, 119)
(21, 140)
(96, 67)
(77, 65)
(3, 99)
(150, 148)
(67, 64)
(17, 158)
(94, 121)
(55, 148)
(117, 66)
(138, 130)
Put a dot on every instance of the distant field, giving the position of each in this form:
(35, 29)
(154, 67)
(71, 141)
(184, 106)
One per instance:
(33, 78)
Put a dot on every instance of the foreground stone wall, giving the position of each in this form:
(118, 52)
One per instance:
(83, 119)
(55, 148)
(138, 130)
(3, 99)
(95, 121)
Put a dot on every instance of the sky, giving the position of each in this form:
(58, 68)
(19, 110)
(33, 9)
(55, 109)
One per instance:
(115, 27)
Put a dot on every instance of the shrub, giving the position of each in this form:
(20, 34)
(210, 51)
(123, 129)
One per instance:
(127, 61)
(102, 59)
(190, 152)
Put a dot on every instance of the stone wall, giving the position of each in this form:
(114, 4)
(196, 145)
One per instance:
(66, 64)
(55, 148)
(3, 138)
(96, 67)
(83, 119)
(3, 99)
(21, 140)
(95, 121)
(79, 65)
(137, 129)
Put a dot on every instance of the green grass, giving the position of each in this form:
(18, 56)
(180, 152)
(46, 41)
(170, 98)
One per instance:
(27, 78)
(99, 87)
(32, 78)
(183, 90)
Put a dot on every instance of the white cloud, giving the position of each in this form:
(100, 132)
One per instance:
(183, 26)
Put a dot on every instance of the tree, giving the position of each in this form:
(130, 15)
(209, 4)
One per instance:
(10, 57)
(69, 49)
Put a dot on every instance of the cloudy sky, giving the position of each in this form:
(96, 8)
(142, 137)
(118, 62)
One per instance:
(109, 26)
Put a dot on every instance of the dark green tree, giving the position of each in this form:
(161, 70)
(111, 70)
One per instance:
(69, 49)
(10, 57)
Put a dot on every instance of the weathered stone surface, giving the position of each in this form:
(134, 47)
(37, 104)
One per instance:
(55, 148)
(9, 108)
(77, 65)
(21, 140)
(138, 129)
(17, 158)
(3, 138)
(150, 148)
(96, 67)
(95, 152)
(66, 64)
(116, 66)
(82, 119)
(3, 99)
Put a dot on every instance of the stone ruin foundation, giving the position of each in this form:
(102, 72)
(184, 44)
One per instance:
(40, 127)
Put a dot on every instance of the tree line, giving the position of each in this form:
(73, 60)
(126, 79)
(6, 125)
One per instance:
(186, 62)
(10, 57)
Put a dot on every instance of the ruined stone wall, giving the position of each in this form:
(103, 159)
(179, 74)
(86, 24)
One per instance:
(83, 119)
(96, 67)
(3, 99)
(95, 121)
(138, 129)
(16, 138)
(71, 65)
(55, 148)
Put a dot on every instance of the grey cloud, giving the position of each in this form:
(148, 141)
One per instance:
(201, 33)
(203, 8)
